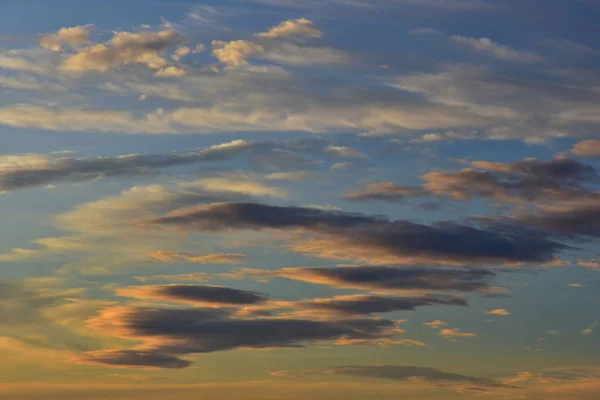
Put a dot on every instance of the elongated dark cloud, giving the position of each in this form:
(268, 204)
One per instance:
(369, 304)
(175, 332)
(568, 220)
(392, 278)
(198, 294)
(30, 170)
(135, 358)
(387, 191)
(530, 179)
(402, 373)
(374, 238)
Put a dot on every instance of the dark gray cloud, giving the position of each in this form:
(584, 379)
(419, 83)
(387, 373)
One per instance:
(393, 278)
(402, 373)
(359, 236)
(30, 170)
(194, 294)
(387, 191)
(180, 331)
(135, 358)
(369, 304)
(530, 179)
(569, 220)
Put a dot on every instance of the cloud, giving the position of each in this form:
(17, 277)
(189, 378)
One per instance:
(73, 36)
(171, 71)
(455, 332)
(594, 263)
(370, 304)
(235, 52)
(485, 45)
(289, 176)
(133, 358)
(527, 180)
(514, 107)
(589, 330)
(177, 332)
(386, 191)
(405, 373)
(13, 61)
(393, 279)
(587, 148)
(568, 220)
(280, 45)
(193, 294)
(238, 185)
(498, 311)
(43, 313)
(435, 324)
(123, 49)
(31, 170)
(301, 27)
(24, 82)
(211, 258)
(364, 237)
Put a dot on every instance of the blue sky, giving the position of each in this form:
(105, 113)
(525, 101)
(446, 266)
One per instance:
(334, 199)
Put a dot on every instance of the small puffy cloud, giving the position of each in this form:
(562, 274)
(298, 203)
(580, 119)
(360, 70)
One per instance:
(199, 48)
(123, 49)
(498, 311)
(589, 330)
(435, 324)
(301, 27)
(171, 71)
(180, 53)
(74, 36)
(485, 45)
(235, 52)
(587, 148)
(280, 45)
(455, 332)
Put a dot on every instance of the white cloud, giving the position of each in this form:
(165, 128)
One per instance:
(125, 48)
(73, 36)
(301, 27)
(496, 50)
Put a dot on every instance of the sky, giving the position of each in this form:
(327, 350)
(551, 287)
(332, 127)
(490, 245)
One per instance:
(277, 199)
